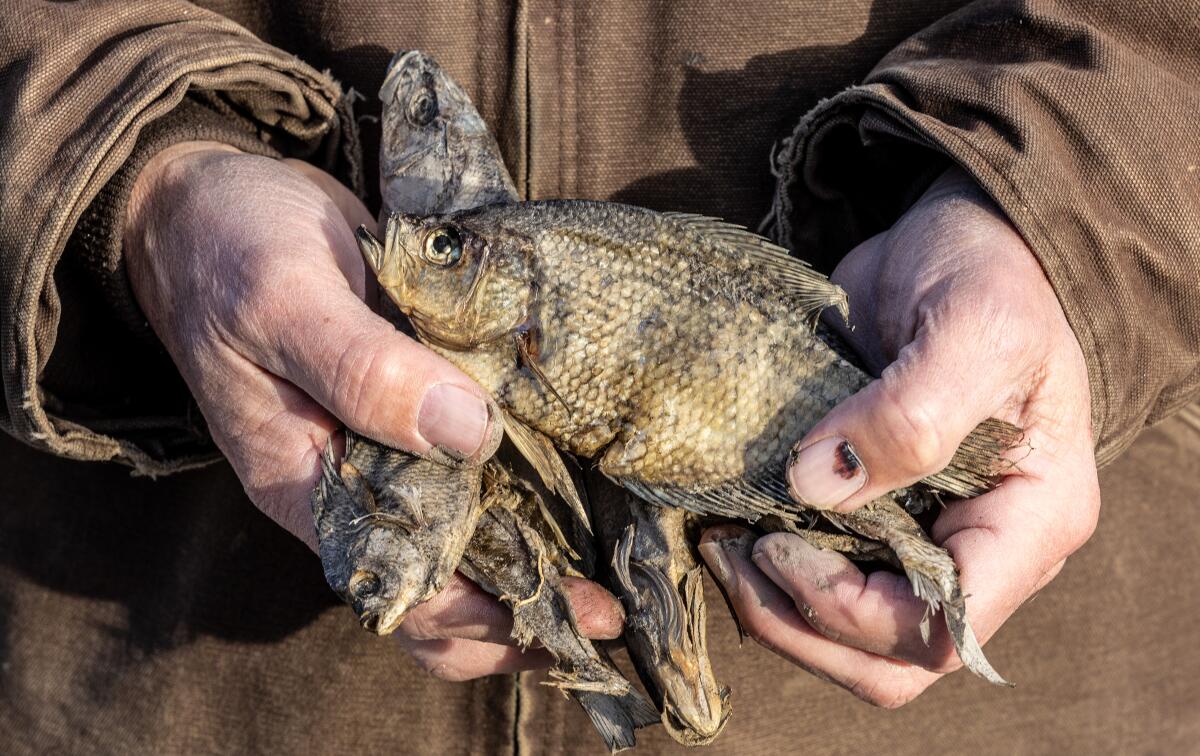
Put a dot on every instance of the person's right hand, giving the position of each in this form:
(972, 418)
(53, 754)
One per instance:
(247, 270)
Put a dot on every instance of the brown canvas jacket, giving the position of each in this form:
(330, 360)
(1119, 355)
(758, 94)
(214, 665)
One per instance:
(171, 616)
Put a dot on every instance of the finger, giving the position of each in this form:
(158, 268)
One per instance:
(598, 614)
(457, 660)
(464, 610)
(1008, 544)
(460, 610)
(877, 613)
(313, 331)
(907, 424)
(772, 619)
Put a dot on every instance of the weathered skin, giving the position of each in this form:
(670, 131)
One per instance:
(392, 528)
(515, 555)
(437, 154)
(660, 584)
(678, 350)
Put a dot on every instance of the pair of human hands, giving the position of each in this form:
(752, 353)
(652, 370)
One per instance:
(248, 272)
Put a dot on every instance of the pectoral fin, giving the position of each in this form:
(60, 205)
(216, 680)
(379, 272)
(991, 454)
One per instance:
(979, 461)
(541, 453)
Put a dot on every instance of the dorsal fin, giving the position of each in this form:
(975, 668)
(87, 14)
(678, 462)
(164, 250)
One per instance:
(808, 289)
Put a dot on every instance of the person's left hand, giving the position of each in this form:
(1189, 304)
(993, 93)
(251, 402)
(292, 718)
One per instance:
(952, 306)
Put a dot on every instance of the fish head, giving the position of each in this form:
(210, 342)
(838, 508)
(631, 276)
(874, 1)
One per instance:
(694, 708)
(434, 142)
(387, 577)
(461, 279)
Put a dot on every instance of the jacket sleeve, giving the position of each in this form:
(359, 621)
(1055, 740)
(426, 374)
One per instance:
(80, 85)
(1079, 118)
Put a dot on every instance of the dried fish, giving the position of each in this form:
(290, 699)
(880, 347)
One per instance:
(660, 583)
(678, 350)
(392, 527)
(515, 555)
(437, 154)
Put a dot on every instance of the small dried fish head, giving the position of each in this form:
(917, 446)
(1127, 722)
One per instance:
(462, 284)
(696, 720)
(436, 150)
(390, 576)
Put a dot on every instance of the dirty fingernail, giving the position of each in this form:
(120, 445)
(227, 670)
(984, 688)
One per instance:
(453, 418)
(716, 559)
(788, 559)
(826, 473)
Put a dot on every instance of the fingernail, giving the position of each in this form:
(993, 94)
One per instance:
(715, 557)
(826, 473)
(453, 418)
(787, 557)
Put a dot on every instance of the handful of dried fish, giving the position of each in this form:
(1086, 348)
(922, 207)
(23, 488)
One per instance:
(678, 351)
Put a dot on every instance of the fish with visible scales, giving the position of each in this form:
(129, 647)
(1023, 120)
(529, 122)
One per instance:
(677, 350)
(392, 526)
(438, 156)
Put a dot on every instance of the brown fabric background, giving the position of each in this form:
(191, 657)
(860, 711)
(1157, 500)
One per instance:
(169, 616)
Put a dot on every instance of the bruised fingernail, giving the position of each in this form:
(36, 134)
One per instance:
(453, 418)
(826, 473)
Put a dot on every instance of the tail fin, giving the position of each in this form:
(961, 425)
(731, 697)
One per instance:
(617, 717)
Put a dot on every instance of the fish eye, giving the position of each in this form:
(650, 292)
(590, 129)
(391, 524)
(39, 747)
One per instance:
(364, 584)
(422, 108)
(443, 247)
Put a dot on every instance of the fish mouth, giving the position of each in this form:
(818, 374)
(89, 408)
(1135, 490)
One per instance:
(384, 623)
(371, 248)
(700, 726)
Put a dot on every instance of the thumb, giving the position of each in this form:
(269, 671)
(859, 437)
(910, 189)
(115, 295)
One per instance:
(900, 428)
(306, 325)
(378, 381)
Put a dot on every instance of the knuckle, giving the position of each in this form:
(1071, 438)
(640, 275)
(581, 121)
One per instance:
(448, 672)
(917, 438)
(439, 663)
(365, 376)
(418, 626)
(1081, 527)
(759, 628)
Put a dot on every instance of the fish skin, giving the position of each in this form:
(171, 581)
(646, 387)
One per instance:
(513, 555)
(678, 350)
(659, 581)
(436, 154)
(391, 527)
